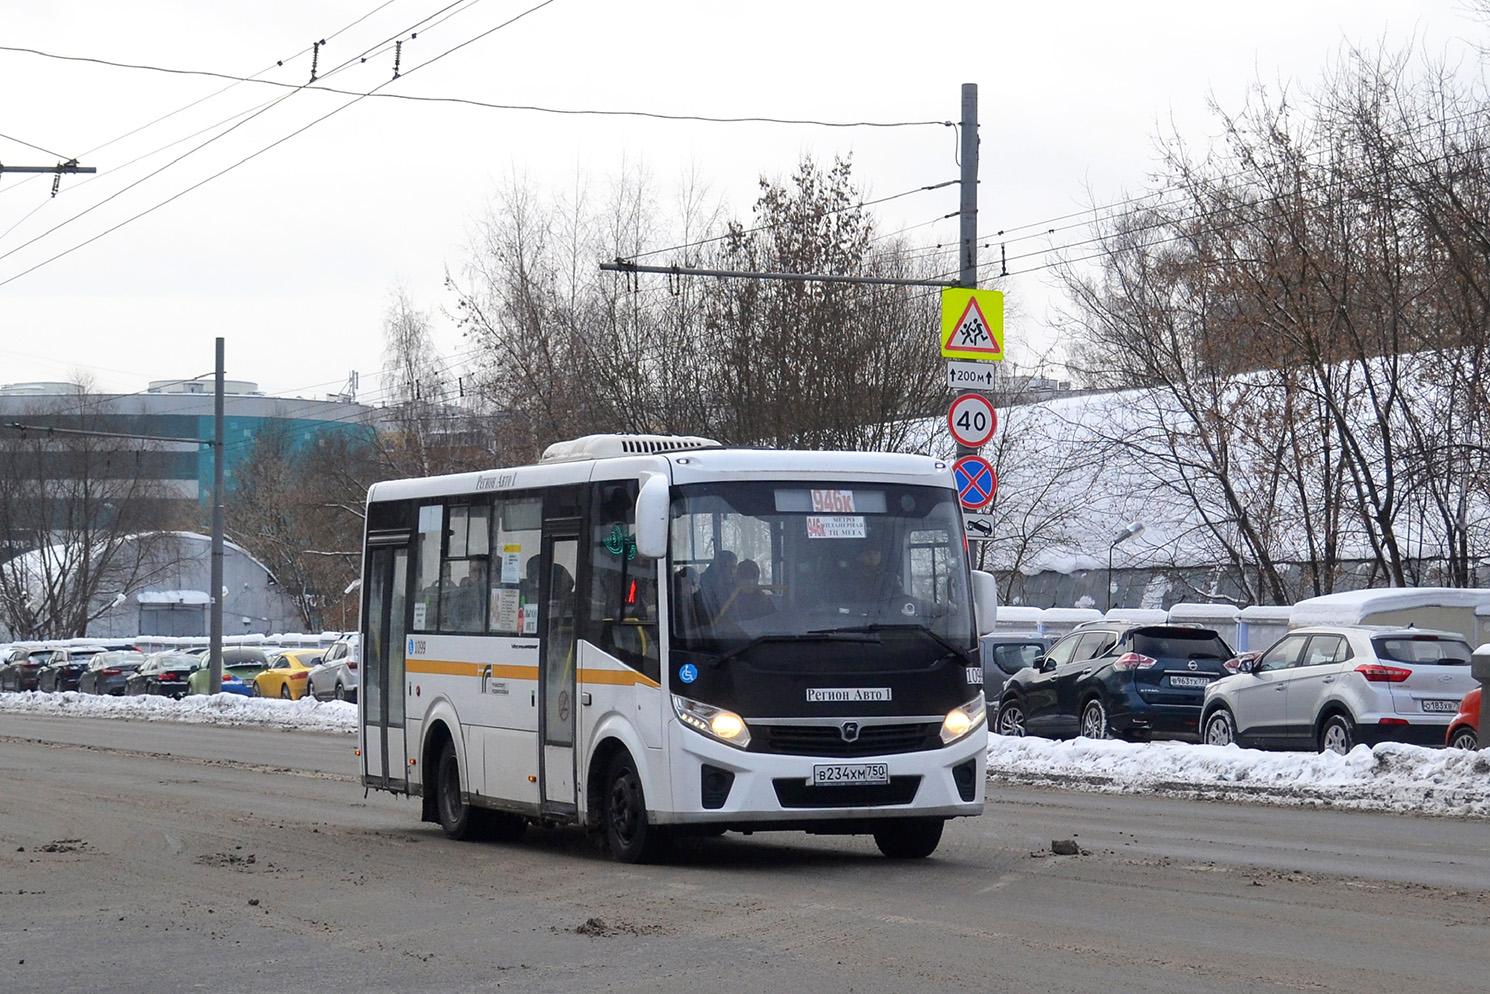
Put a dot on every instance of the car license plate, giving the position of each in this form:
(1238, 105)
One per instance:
(1185, 680)
(849, 774)
(1441, 706)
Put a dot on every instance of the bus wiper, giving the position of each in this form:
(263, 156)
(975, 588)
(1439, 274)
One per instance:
(882, 627)
(834, 635)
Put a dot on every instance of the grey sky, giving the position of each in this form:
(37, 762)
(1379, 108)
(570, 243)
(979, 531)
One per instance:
(292, 255)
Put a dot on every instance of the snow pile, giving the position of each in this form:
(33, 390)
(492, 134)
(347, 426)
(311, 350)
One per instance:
(1388, 777)
(306, 714)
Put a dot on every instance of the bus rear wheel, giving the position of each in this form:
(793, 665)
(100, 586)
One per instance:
(913, 838)
(632, 837)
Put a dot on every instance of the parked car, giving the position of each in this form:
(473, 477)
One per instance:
(240, 664)
(1115, 678)
(1464, 730)
(1330, 687)
(335, 677)
(108, 671)
(1006, 653)
(22, 665)
(65, 667)
(162, 673)
(286, 674)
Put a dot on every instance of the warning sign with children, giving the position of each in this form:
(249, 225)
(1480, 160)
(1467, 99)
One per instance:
(972, 324)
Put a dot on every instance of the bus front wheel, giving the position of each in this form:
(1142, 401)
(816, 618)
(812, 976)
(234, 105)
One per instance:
(632, 837)
(913, 838)
(457, 818)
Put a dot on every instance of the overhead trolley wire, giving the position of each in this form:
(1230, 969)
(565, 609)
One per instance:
(36, 147)
(535, 108)
(1138, 204)
(247, 115)
(183, 108)
(358, 98)
(764, 227)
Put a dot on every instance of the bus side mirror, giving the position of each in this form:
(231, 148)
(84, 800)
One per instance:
(985, 601)
(651, 517)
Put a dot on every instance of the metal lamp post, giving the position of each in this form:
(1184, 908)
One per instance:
(1132, 531)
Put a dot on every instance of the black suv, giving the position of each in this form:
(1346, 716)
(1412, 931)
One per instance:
(1113, 678)
(19, 669)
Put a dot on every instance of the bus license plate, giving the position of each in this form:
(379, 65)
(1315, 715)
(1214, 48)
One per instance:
(850, 774)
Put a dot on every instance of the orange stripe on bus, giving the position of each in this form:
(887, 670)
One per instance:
(445, 667)
(441, 666)
(619, 678)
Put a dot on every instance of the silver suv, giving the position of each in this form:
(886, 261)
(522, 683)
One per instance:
(335, 678)
(1331, 687)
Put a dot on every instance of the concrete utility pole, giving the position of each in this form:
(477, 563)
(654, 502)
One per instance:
(968, 209)
(214, 645)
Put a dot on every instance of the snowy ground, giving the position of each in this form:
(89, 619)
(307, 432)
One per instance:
(1389, 777)
(306, 714)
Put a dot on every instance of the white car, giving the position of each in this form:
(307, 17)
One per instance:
(1330, 687)
(335, 679)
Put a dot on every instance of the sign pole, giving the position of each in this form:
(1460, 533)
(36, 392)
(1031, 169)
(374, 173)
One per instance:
(968, 209)
(214, 644)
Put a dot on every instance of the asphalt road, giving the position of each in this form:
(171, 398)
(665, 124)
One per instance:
(158, 857)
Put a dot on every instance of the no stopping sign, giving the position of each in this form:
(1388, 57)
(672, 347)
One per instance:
(975, 481)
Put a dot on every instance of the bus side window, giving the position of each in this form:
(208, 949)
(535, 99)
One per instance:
(514, 599)
(623, 588)
(463, 584)
(427, 568)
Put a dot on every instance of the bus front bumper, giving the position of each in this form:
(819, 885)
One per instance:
(718, 785)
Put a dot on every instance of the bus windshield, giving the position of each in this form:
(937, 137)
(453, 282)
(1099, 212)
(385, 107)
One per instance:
(753, 560)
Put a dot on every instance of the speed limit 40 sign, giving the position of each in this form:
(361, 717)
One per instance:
(972, 420)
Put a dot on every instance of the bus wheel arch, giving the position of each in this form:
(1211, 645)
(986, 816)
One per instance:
(595, 781)
(429, 762)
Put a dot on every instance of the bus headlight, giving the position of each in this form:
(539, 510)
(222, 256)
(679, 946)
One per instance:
(961, 721)
(717, 723)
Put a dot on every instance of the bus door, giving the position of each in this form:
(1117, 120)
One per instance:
(558, 667)
(383, 747)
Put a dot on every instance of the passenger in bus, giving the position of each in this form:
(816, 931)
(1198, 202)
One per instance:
(468, 602)
(561, 591)
(749, 600)
(528, 587)
(864, 578)
(685, 596)
(716, 585)
(529, 593)
(439, 596)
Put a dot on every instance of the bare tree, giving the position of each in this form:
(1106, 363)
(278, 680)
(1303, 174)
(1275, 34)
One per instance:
(81, 519)
(829, 365)
(567, 349)
(423, 433)
(298, 509)
(1307, 317)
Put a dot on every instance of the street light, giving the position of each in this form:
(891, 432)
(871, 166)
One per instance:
(1132, 531)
